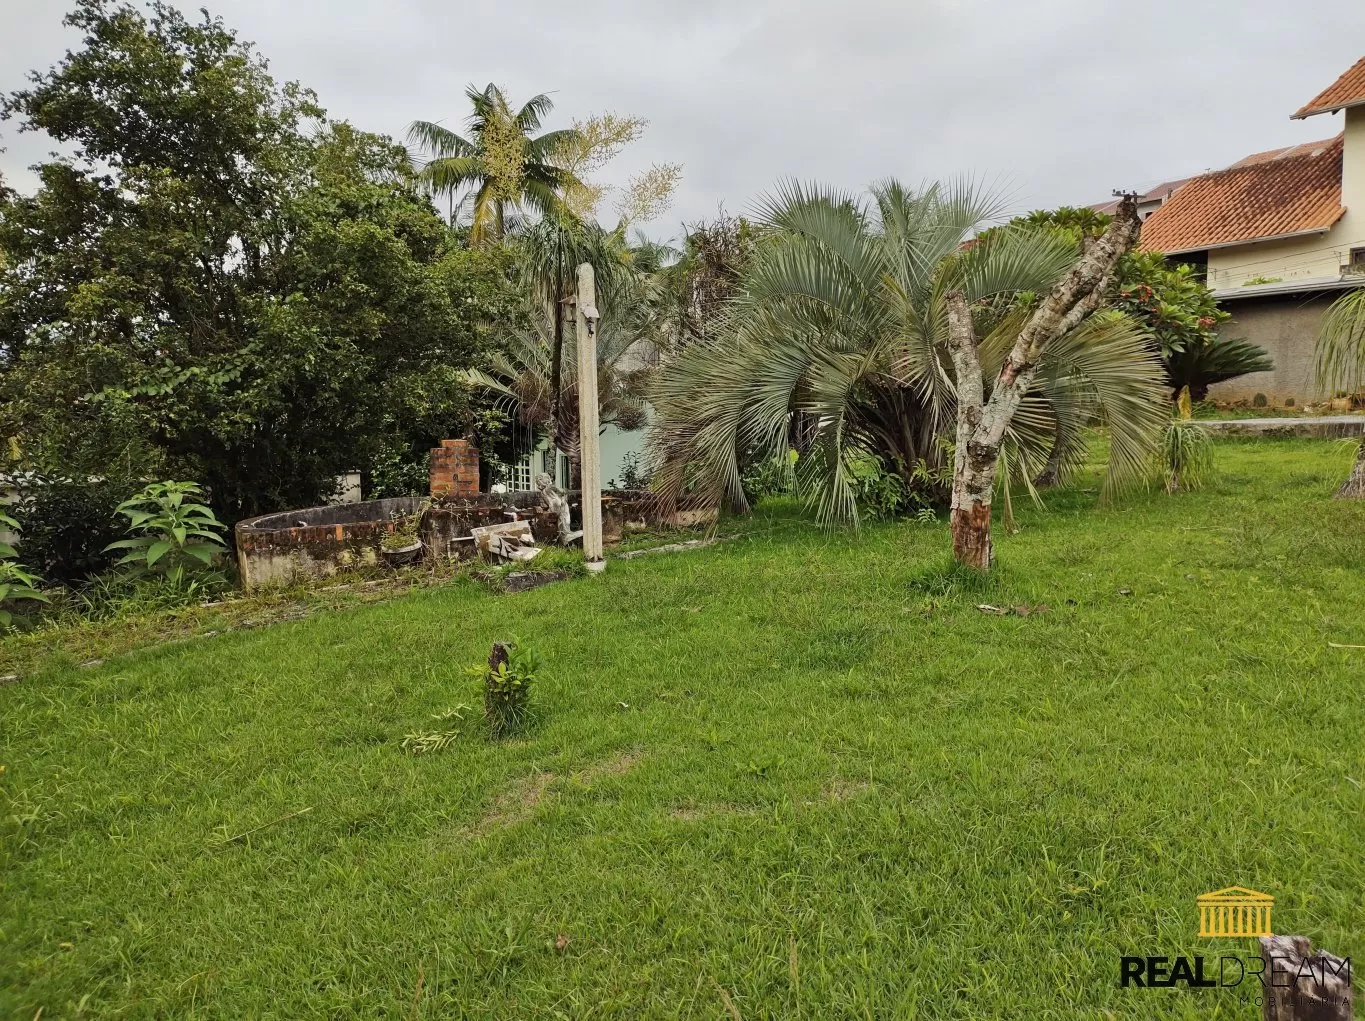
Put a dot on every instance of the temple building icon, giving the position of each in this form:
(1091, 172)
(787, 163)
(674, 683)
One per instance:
(1235, 911)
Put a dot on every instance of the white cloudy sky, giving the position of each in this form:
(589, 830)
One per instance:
(1060, 100)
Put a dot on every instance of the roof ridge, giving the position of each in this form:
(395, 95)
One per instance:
(1347, 90)
(1278, 161)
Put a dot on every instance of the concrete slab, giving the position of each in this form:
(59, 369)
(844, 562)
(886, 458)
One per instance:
(1330, 426)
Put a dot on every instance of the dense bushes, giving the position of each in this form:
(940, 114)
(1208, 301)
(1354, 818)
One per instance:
(68, 524)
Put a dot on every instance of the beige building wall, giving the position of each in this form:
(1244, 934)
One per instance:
(1313, 255)
(1287, 327)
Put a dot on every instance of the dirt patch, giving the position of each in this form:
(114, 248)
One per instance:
(843, 788)
(519, 802)
(514, 805)
(623, 763)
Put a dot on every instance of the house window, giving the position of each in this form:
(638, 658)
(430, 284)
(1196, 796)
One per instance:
(521, 475)
(1356, 264)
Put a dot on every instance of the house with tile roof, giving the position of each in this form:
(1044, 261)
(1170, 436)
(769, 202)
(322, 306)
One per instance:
(1280, 234)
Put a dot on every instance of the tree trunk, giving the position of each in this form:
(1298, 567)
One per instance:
(1354, 486)
(972, 535)
(557, 348)
(982, 423)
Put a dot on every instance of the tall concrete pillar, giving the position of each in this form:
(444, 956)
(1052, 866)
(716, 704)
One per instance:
(591, 460)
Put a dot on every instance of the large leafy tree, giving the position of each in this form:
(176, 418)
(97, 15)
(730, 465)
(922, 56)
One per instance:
(841, 318)
(502, 166)
(219, 282)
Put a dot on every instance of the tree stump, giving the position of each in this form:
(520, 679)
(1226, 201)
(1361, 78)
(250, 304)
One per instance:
(1302, 985)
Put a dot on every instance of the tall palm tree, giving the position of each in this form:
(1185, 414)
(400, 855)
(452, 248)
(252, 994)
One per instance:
(549, 254)
(1341, 366)
(518, 375)
(500, 167)
(841, 322)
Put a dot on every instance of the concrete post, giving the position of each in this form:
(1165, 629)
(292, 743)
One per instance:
(591, 461)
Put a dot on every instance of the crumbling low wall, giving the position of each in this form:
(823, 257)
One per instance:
(446, 524)
(278, 549)
(292, 546)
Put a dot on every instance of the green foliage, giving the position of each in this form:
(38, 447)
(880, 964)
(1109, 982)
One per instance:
(839, 323)
(221, 278)
(907, 493)
(397, 470)
(507, 689)
(502, 165)
(1178, 309)
(69, 523)
(405, 531)
(1172, 303)
(16, 584)
(1185, 460)
(634, 473)
(174, 534)
(1340, 352)
(770, 476)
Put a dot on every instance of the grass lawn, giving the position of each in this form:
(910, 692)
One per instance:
(790, 775)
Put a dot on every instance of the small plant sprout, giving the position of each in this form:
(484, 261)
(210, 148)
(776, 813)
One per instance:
(507, 680)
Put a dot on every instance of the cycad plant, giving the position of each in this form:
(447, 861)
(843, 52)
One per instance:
(1341, 366)
(502, 166)
(840, 325)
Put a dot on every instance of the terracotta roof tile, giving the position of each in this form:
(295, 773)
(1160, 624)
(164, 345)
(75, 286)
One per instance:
(1348, 90)
(1255, 199)
(1161, 191)
(1281, 153)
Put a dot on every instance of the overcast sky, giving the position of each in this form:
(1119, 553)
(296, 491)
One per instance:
(1060, 101)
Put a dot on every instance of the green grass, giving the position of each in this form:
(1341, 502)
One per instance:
(790, 775)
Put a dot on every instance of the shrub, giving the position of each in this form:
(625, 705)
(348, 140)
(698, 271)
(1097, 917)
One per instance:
(1186, 456)
(887, 494)
(16, 584)
(633, 473)
(772, 477)
(69, 524)
(174, 535)
(507, 679)
(1204, 363)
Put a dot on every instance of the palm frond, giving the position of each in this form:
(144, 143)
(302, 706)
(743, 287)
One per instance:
(1340, 362)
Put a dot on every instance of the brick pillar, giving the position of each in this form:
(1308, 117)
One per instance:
(455, 469)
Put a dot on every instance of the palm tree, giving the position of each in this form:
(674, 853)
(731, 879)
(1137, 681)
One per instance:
(1341, 366)
(500, 166)
(519, 374)
(840, 323)
(549, 254)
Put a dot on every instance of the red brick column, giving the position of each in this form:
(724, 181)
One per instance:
(455, 469)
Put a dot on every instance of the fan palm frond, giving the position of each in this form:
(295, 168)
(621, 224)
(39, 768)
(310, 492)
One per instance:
(840, 319)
